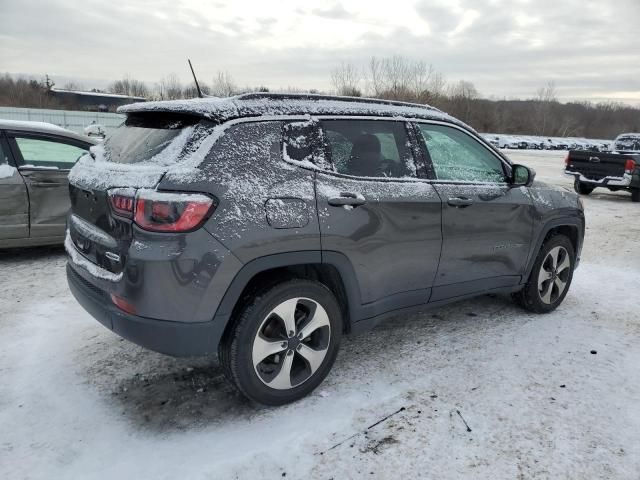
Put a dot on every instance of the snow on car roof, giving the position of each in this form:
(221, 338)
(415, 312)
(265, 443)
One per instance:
(271, 104)
(41, 127)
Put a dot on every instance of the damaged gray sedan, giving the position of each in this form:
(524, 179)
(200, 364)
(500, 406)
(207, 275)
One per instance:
(35, 159)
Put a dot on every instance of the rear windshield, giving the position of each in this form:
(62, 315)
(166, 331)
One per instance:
(145, 138)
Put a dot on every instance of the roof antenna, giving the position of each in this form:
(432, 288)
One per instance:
(195, 79)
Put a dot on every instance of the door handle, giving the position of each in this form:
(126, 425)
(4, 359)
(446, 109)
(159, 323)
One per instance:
(347, 198)
(460, 202)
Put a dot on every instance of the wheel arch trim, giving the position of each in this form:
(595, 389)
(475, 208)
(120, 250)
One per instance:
(571, 222)
(270, 262)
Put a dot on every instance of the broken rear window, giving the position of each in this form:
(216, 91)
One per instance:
(147, 137)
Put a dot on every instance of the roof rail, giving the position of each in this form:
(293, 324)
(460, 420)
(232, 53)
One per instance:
(316, 96)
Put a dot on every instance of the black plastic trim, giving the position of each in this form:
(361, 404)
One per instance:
(177, 339)
(556, 222)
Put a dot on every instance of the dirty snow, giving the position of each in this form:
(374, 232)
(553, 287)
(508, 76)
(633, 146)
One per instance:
(78, 402)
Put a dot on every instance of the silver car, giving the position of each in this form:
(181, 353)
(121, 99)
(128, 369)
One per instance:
(35, 159)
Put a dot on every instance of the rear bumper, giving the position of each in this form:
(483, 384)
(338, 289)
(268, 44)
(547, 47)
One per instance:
(623, 181)
(178, 339)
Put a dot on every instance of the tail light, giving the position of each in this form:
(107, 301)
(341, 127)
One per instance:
(566, 161)
(123, 305)
(172, 212)
(629, 166)
(162, 211)
(122, 201)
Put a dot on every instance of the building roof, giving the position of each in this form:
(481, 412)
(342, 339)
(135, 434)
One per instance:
(42, 127)
(272, 104)
(98, 94)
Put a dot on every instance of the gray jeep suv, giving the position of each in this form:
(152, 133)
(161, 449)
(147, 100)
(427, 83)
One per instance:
(264, 227)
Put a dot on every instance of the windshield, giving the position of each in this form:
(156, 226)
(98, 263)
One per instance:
(144, 138)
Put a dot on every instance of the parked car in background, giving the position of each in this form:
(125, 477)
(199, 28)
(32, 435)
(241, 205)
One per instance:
(618, 170)
(95, 130)
(266, 226)
(509, 142)
(35, 159)
(627, 143)
(493, 140)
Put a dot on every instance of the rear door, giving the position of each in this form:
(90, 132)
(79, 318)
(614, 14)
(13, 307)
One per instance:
(374, 211)
(44, 162)
(14, 203)
(486, 224)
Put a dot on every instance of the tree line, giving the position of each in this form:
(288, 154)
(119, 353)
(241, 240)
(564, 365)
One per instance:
(391, 78)
(400, 78)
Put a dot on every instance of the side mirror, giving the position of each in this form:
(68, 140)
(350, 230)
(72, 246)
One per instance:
(522, 176)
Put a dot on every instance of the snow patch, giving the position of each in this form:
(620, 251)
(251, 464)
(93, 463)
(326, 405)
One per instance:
(92, 232)
(7, 170)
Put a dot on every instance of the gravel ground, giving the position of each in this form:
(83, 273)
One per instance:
(480, 389)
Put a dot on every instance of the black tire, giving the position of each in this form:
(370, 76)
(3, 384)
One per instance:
(635, 195)
(252, 321)
(531, 296)
(582, 188)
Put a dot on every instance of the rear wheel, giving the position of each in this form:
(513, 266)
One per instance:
(635, 195)
(582, 188)
(550, 277)
(284, 342)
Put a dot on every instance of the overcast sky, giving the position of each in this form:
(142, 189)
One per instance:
(507, 48)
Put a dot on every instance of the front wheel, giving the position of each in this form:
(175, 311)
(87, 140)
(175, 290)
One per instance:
(550, 277)
(284, 342)
(582, 188)
(635, 195)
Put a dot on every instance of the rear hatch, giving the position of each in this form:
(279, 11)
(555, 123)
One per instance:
(136, 155)
(595, 166)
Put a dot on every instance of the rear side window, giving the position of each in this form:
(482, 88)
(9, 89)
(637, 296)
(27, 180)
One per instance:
(458, 157)
(369, 148)
(48, 153)
(144, 138)
(302, 143)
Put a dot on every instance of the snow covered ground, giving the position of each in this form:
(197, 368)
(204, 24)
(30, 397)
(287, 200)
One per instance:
(78, 402)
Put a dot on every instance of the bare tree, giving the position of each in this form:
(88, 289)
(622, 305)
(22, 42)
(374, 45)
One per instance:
(129, 86)
(462, 96)
(223, 85)
(191, 91)
(400, 78)
(345, 79)
(545, 98)
(72, 85)
(375, 77)
(26, 93)
(169, 87)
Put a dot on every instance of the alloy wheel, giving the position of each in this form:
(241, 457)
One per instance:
(554, 275)
(291, 343)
